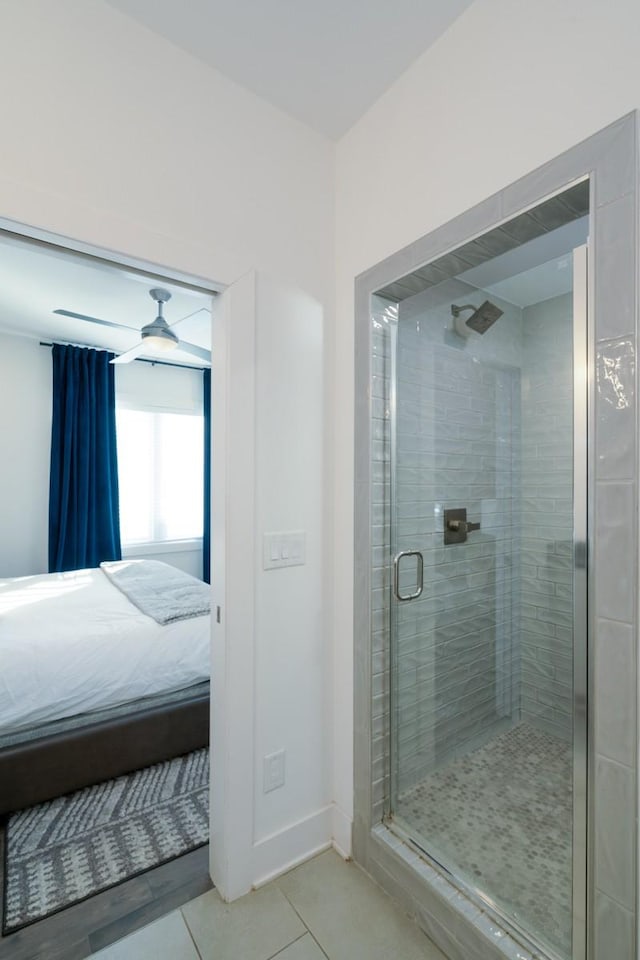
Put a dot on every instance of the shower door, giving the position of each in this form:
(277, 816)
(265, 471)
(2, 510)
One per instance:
(487, 501)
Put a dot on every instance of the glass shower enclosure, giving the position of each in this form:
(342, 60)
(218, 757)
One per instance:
(479, 600)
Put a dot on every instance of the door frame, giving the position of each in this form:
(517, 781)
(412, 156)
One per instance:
(111, 259)
(609, 160)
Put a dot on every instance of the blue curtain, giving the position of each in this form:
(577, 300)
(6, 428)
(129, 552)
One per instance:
(206, 536)
(84, 525)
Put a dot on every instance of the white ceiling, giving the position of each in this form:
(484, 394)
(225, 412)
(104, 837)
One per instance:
(324, 62)
(35, 281)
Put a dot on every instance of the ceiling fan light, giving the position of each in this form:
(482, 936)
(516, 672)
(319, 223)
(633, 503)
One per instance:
(161, 342)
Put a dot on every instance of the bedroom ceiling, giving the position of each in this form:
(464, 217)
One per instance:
(35, 281)
(324, 63)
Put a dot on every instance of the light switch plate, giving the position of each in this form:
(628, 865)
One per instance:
(283, 549)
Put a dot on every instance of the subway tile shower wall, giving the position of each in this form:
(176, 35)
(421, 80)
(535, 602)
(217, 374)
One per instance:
(547, 516)
(383, 315)
(483, 424)
(457, 446)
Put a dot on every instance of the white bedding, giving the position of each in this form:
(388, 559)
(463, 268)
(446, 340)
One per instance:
(72, 643)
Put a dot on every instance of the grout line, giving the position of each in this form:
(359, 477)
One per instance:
(615, 900)
(286, 947)
(319, 946)
(301, 919)
(191, 936)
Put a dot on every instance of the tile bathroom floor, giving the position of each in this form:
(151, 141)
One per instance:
(325, 908)
(501, 817)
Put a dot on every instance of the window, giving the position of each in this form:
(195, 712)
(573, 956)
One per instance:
(160, 473)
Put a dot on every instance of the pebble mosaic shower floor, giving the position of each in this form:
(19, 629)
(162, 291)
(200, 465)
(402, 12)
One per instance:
(502, 817)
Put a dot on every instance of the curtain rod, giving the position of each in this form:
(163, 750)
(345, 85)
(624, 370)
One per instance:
(160, 363)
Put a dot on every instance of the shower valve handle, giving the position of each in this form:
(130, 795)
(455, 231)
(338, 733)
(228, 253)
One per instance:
(456, 526)
(462, 526)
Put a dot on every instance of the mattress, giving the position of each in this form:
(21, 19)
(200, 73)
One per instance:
(66, 725)
(72, 643)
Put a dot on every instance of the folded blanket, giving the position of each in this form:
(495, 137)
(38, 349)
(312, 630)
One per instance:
(159, 590)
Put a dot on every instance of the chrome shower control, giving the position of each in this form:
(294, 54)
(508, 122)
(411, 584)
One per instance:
(456, 525)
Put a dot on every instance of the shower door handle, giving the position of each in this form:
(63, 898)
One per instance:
(419, 574)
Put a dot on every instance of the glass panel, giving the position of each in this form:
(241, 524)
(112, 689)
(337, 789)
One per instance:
(481, 420)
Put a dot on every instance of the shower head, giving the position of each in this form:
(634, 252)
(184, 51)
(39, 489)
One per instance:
(480, 320)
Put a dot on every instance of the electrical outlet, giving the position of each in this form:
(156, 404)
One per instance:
(273, 771)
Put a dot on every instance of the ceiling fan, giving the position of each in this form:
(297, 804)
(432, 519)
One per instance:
(157, 334)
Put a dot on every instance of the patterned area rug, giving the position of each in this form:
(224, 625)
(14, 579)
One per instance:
(502, 818)
(66, 850)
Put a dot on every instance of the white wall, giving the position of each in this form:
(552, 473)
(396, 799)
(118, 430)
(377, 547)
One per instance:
(509, 86)
(289, 497)
(188, 560)
(267, 671)
(115, 137)
(25, 432)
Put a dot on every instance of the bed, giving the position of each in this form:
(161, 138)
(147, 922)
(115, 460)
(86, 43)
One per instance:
(90, 686)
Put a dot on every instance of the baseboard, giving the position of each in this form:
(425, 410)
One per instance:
(286, 849)
(341, 826)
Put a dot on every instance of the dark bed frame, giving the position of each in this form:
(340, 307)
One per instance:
(50, 766)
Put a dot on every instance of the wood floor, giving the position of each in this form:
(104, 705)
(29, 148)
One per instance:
(88, 927)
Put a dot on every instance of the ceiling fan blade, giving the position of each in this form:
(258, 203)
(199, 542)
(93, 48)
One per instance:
(104, 323)
(132, 354)
(195, 351)
(190, 315)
